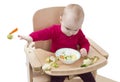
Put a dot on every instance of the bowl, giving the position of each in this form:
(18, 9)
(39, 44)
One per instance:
(67, 55)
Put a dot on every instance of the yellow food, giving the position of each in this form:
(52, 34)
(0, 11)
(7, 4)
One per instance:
(50, 59)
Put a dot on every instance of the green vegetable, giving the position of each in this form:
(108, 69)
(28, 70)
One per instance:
(83, 65)
(9, 36)
(54, 65)
(89, 61)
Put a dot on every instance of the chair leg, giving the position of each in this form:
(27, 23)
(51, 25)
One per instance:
(94, 73)
(29, 72)
(38, 77)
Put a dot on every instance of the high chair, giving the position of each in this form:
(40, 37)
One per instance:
(44, 18)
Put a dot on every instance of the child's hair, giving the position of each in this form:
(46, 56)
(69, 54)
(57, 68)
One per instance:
(77, 10)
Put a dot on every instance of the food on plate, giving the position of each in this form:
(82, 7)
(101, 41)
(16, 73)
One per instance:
(89, 61)
(67, 55)
(68, 58)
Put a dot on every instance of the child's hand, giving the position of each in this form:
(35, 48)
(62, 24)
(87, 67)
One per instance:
(83, 52)
(27, 38)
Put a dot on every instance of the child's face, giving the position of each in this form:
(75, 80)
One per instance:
(68, 25)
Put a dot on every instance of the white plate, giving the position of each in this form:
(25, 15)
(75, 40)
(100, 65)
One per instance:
(68, 52)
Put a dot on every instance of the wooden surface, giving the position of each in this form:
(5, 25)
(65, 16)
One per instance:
(32, 58)
(71, 69)
(100, 50)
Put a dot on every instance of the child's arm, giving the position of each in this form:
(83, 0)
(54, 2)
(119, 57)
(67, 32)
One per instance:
(27, 38)
(84, 44)
(83, 52)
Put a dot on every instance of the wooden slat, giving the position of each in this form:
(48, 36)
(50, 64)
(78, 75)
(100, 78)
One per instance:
(35, 63)
(29, 72)
(98, 48)
(41, 78)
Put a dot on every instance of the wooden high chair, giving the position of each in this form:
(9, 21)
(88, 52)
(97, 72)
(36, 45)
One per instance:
(44, 18)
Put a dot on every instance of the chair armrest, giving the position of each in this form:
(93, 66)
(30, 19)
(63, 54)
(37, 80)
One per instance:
(32, 58)
(98, 48)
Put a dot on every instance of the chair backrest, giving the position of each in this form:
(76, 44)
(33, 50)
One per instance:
(44, 18)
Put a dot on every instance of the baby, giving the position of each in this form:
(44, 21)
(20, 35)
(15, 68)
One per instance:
(66, 35)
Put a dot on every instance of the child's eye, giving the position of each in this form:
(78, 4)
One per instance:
(71, 30)
(67, 28)
(76, 30)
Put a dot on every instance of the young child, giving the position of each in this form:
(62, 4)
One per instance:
(66, 35)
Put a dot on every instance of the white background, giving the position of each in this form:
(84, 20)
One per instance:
(101, 24)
